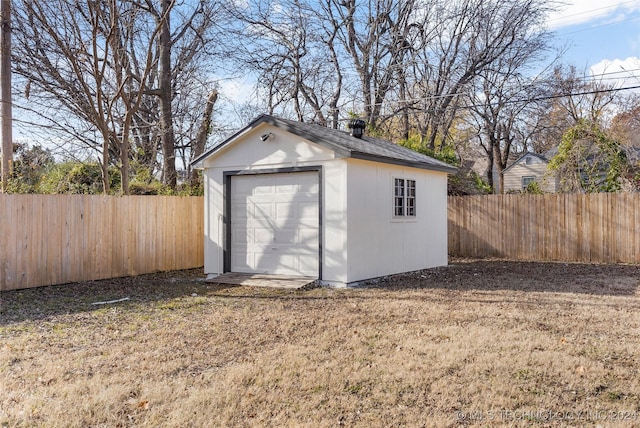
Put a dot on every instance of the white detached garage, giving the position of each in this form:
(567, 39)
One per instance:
(290, 198)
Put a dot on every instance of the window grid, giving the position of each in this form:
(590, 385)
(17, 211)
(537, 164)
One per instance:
(404, 198)
(411, 198)
(398, 198)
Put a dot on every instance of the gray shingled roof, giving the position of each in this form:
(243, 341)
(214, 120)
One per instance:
(543, 158)
(341, 142)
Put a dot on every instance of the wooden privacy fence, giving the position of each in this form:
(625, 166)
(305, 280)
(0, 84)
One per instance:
(56, 239)
(600, 228)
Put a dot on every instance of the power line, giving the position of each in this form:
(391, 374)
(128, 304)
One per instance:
(577, 78)
(516, 101)
(617, 72)
(611, 8)
(595, 27)
(576, 94)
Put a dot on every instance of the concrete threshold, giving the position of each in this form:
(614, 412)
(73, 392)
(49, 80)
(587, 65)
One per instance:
(263, 280)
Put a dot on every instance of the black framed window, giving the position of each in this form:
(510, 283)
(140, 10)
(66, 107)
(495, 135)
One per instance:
(404, 197)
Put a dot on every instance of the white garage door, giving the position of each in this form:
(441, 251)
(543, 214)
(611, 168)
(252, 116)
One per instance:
(274, 223)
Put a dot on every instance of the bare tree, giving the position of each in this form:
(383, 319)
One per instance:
(579, 95)
(626, 124)
(457, 42)
(502, 100)
(117, 65)
(75, 56)
(416, 60)
(294, 56)
(374, 35)
(315, 60)
(186, 34)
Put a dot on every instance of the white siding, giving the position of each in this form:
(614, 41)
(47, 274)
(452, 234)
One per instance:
(213, 221)
(380, 244)
(335, 260)
(282, 149)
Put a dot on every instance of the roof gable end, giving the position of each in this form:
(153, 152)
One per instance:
(342, 143)
(521, 158)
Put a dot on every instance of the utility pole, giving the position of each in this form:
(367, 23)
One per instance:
(5, 92)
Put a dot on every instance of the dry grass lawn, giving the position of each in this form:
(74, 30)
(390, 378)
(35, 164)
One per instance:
(478, 343)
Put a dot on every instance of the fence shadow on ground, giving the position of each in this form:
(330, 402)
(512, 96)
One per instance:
(495, 275)
(481, 275)
(461, 275)
(43, 303)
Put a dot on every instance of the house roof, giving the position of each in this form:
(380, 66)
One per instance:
(543, 158)
(342, 143)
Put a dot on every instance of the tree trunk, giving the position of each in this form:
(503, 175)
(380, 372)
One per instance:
(166, 96)
(404, 118)
(203, 132)
(490, 163)
(124, 154)
(104, 164)
(5, 92)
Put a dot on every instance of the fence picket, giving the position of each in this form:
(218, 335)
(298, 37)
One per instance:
(599, 228)
(56, 239)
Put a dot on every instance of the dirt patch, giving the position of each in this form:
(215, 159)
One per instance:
(470, 274)
(477, 343)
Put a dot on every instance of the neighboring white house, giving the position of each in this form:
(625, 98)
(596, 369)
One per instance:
(285, 197)
(529, 168)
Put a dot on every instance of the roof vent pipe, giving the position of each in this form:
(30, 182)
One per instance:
(357, 127)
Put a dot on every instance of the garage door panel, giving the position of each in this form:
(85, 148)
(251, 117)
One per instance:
(275, 225)
(263, 185)
(309, 187)
(283, 236)
(308, 237)
(263, 210)
(286, 188)
(242, 187)
(286, 237)
(287, 263)
(263, 236)
(306, 222)
(286, 210)
(308, 264)
(287, 183)
(297, 211)
(308, 210)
